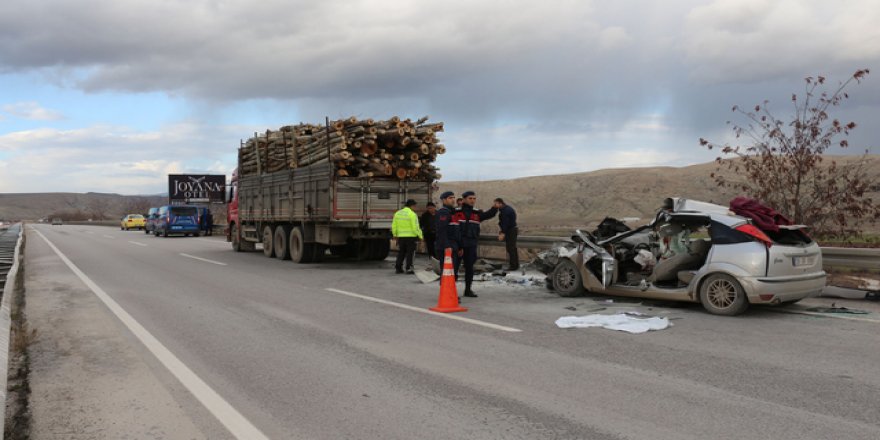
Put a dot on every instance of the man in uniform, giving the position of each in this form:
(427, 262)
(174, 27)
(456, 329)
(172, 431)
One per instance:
(405, 229)
(445, 228)
(468, 219)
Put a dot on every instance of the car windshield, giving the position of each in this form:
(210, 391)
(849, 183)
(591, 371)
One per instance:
(136, 216)
(182, 210)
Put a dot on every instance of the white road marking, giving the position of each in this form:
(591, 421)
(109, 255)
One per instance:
(426, 311)
(234, 421)
(203, 259)
(109, 236)
(137, 243)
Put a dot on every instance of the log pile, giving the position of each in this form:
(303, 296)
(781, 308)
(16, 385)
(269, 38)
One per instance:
(357, 148)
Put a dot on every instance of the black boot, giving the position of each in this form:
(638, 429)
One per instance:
(469, 293)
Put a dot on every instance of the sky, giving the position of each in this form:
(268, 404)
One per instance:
(114, 95)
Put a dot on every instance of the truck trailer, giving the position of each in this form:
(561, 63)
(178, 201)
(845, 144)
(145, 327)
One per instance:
(311, 206)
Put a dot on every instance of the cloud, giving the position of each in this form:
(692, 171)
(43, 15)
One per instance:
(112, 159)
(737, 40)
(525, 87)
(31, 111)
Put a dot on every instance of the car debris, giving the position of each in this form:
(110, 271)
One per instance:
(622, 322)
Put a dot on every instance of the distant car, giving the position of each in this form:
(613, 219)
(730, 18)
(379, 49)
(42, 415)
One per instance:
(150, 220)
(56, 221)
(735, 265)
(183, 220)
(132, 221)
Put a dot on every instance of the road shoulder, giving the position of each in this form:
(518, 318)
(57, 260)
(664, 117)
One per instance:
(86, 379)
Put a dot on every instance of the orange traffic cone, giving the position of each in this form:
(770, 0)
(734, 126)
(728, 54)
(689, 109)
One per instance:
(448, 300)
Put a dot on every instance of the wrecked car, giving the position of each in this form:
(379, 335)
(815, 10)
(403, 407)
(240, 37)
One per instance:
(693, 251)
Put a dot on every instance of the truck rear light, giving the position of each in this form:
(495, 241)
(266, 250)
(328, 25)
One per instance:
(755, 233)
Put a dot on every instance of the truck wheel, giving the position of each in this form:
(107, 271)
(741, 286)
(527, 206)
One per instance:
(318, 252)
(281, 244)
(567, 279)
(268, 240)
(381, 248)
(300, 252)
(721, 294)
(362, 249)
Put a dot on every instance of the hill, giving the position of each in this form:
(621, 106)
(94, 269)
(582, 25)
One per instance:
(74, 206)
(560, 202)
(543, 203)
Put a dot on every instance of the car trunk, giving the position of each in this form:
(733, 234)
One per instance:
(792, 253)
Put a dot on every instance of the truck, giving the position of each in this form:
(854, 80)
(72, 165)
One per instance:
(310, 207)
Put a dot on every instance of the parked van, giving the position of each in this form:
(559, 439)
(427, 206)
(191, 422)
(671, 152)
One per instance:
(177, 220)
(150, 222)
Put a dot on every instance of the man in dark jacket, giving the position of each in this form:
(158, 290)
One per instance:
(469, 219)
(429, 228)
(445, 228)
(509, 232)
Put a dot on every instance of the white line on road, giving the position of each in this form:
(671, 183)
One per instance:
(137, 243)
(426, 311)
(234, 421)
(203, 259)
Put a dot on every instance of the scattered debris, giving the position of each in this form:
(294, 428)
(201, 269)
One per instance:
(621, 322)
(572, 308)
(426, 276)
(834, 309)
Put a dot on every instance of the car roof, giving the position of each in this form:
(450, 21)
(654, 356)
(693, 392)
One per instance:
(717, 213)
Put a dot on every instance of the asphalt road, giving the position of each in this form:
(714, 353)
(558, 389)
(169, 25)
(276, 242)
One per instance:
(301, 351)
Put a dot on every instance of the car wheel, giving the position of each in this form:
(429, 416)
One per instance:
(722, 294)
(567, 279)
(268, 240)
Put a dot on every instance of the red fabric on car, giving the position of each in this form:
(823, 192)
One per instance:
(764, 217)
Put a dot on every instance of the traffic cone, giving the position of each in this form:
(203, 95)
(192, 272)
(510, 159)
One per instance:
(448, 300)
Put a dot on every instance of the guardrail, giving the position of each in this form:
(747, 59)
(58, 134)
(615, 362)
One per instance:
(851, 257)
(860, 258)
(10, 256)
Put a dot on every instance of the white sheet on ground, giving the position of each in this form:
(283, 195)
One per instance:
(622, 322)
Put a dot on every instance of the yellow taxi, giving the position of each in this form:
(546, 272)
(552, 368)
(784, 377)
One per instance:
(132, 221)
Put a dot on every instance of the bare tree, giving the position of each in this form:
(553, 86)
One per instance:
(782, 163)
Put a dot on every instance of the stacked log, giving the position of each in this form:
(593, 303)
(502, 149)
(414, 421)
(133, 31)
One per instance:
(357, 148)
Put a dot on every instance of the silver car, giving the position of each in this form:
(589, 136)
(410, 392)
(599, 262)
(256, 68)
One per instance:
(696, 252)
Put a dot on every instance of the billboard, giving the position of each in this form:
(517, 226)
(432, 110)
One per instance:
(196, 188)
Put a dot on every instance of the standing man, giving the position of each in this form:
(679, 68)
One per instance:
(446, 228)
(509, 232)
(468, 219)
(405, 229)
(209, 223)
(429, 228)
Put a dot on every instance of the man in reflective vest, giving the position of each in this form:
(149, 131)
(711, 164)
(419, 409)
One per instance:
(405, 229)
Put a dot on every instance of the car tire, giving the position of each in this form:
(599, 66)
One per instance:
(268, 239)
(567, 280)
(722, 294)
